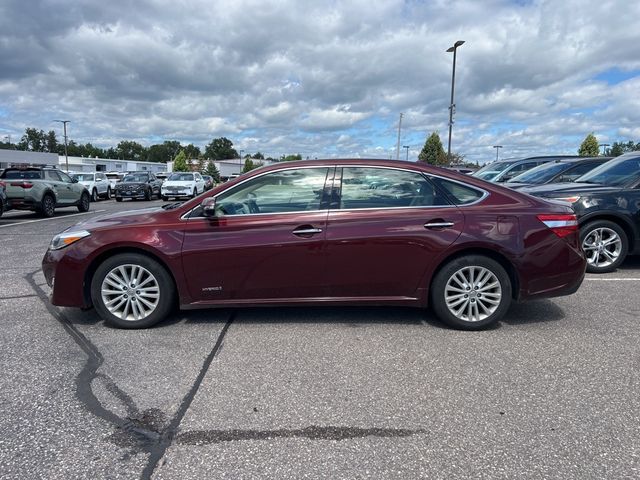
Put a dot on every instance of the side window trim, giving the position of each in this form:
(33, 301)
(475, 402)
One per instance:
(453, 201)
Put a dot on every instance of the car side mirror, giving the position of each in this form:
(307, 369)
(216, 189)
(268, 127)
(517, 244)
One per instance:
(74, 180)
(209, 207)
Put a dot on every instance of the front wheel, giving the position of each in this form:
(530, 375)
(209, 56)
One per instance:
(131, 290)
(94, 195)
(471, 292)
(47, 206)
(118, 199)
(147, 194)
(83, 206)
(605, 245)
(108, 194)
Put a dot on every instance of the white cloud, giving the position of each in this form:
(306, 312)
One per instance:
(320, 78)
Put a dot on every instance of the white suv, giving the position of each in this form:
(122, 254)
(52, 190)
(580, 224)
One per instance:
(182, 184)
(96, 183)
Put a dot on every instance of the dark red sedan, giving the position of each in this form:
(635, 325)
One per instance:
(329, 232)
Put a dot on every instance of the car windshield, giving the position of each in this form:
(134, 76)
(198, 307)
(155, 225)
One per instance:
(181, 177)
(541, 173)
(136, 177)
(614, 173)
(84, 177)
(113, 176)
(492, 170)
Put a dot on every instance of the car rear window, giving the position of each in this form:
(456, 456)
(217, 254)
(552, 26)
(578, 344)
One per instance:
(459, 193)
(22, 174)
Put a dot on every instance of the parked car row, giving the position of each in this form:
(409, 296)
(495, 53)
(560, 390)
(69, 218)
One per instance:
(604, 193)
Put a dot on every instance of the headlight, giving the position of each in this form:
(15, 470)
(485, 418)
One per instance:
(572, 199)
(67, 238)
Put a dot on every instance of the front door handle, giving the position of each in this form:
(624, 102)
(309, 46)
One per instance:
(439, 224)
(307, 230)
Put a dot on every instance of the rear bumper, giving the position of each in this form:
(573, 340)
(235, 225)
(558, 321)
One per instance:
(20, 204)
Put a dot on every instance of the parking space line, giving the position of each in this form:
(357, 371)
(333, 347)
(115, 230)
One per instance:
(614, 279)
(52, 218)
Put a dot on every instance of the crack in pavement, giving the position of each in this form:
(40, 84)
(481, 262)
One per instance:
(203, 437)
(15, 297)
(149, 431)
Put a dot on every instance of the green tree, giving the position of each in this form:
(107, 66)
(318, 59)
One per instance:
(433, 152)
(220, 149)
(192, 151)
(32, 140)
(130, 150)
(213, 171)
(618, 148)
(589, 146)
(290, 158)
(249, 165)
(258, 156)
(180, 163)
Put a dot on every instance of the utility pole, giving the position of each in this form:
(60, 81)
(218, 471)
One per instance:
(66, 157)
(407, 148)
(497, 147)
(452, 106)
(398, 144)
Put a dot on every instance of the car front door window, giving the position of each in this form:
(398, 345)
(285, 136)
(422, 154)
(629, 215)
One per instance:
(295, 190)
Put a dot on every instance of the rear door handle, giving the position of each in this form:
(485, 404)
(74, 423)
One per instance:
(438, 224)
(307, 230)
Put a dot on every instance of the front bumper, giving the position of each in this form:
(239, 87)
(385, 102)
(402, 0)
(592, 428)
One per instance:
(130, 194)
(176, 194)
(65, 275)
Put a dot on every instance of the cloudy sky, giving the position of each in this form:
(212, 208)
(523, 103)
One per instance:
(325, 78)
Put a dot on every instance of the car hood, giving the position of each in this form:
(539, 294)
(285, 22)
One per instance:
(178, 183)
(132, 217)
(130, 184)
(562, 189)
(517, 185)
(86, 183)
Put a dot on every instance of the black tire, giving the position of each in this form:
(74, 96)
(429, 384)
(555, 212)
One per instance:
(47, 206)
(465, 266)
(118, 199)
(195, 193)
(165, 199)
(607, 230)
(164, 283)
(84, 204)
(1, 207)
(94, 195)
(147, 194)
(107, 196)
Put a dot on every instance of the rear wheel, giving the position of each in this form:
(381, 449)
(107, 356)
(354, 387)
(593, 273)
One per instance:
(605, 245)
(118, 199)
(83, 206)
(130, 290)
(47, 206)
(471, 292)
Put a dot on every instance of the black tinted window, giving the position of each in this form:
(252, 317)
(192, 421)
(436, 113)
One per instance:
(461, 194)
(369, 187)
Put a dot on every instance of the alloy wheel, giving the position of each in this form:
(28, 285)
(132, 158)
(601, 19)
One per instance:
(602, 247)
(130, 292)
(473, 293)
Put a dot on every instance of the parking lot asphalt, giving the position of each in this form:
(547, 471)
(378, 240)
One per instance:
(552, 392)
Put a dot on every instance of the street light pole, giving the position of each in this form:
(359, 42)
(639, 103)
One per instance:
(497, 147)
(66, 157)
(398, 144)
(604, 147)
(407, 148)
(452, 106)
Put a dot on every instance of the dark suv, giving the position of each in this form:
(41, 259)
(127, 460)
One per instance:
(607, 203)
(506, 169)
(138, 185)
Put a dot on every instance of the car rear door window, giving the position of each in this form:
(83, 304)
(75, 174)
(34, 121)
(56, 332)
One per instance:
(370, 187)
(295, 190)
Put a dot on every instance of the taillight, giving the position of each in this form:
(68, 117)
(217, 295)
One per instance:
(22, 184)
(561, 224)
